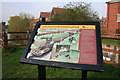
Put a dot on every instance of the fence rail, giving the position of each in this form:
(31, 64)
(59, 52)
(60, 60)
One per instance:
(16, 46)
(19, 32)
(16, 39)
(109, 50)
(110, 37)
(5, 41)
(108, 62)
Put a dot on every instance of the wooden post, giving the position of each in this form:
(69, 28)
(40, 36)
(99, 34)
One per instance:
(5, 43)
(41, 72)
(27, 36)
(84, 75)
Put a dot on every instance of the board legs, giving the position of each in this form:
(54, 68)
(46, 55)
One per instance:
(84, 75)
(41, 72)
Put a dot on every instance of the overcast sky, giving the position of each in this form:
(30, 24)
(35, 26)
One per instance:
(34, 7)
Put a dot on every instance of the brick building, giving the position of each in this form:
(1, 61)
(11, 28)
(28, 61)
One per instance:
(113, 17)
(48, 15)
(45, 15)
(56, 11)
(103, 22)
(103, 25)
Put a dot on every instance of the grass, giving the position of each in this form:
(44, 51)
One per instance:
(111, 41)
(13, 69)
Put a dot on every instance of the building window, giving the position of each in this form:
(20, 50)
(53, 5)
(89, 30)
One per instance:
(41, 19)
(118, 18)
(108, 45)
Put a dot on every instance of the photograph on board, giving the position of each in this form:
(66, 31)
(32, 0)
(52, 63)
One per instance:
(56, 45)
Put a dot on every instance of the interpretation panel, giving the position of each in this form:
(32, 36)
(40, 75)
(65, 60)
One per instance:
(65, 43)
(75, 45)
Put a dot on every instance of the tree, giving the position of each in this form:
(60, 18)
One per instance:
(20, 23)
(4, 26)
(76, 11)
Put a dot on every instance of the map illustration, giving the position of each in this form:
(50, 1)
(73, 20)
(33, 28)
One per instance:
(56, 44)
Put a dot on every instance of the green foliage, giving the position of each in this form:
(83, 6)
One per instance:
(111, 41)
(76, 11)
(20, 23)
(18, 36)
(3, 26)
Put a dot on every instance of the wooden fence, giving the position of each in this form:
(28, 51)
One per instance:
(27, 33)
(111, 50)
(5, 39)
(110, 37)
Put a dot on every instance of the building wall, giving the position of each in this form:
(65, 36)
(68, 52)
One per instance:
(112, 10)
(119, 8)
(47, 19)
(119, 13)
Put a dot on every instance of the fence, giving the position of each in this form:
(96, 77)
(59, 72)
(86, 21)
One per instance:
(5, 39)
(116, 60)
(5, 45)
(114, 50)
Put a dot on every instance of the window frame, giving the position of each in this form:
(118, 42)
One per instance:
(118, 17)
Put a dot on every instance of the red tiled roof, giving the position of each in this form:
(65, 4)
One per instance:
(58, 10)
(45, 14)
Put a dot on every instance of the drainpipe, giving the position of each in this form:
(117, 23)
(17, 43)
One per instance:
(108, 14)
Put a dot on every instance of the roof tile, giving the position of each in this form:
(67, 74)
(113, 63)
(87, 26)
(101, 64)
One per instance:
(58, 10)
(112, 1)
(45, 14)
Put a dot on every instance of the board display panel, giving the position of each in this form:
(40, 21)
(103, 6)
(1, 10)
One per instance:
(75, 45)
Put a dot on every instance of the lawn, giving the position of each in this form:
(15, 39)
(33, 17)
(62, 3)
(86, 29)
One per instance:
(111, 41)
(13, 69)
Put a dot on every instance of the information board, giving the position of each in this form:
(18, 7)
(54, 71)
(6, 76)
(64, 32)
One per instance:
(74, 45)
